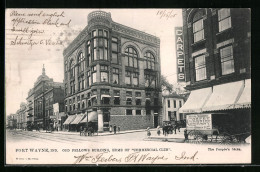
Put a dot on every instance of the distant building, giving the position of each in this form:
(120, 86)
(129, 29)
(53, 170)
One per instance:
(217, 47)
(112, 73)
(171, 105)
(22, 116)
(46, 92)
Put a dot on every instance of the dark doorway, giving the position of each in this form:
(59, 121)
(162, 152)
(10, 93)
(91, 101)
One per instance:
(155, 121)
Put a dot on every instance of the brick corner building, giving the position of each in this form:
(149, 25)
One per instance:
(217, 47)
(112, 76)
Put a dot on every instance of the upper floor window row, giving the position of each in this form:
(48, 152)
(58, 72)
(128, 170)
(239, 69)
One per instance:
(198, 26)
(100, 32)
(224, 19)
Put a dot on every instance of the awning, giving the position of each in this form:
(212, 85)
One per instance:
(77, 119)
(138, 97)
(104, 95)
(196, 100)
(92, 116)
(116, 96)
(69, 119)
(245, 99)
(224, 96)
(94, 96)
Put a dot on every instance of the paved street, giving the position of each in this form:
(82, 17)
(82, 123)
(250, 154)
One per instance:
(74, 138)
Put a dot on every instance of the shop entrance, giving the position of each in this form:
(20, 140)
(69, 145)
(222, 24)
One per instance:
(155, 119)
(106, 119)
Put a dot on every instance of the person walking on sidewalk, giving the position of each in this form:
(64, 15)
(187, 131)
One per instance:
(148, 132)
(110, 128)
(114, 129)
(158, 131)
(118, 128)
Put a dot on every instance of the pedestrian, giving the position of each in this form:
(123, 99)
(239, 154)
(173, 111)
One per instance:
(185, 135)
(148, 132)
(158, 131)
(114, 129)
(118, 128)
(110, 128)
(80, 130)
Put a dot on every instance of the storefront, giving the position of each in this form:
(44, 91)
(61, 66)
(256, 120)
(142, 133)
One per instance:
(231, 102)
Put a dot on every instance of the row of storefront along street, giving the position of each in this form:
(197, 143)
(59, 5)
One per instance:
(112, 76)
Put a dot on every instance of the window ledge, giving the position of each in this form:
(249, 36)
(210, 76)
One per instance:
(198, 42)
(223, 31)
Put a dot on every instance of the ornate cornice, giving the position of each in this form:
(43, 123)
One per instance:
(76, 41)
(134, 33)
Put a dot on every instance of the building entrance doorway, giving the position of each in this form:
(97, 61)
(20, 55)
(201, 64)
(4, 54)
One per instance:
(155, 119)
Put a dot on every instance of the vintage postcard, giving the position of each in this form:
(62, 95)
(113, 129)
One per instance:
(127, 86)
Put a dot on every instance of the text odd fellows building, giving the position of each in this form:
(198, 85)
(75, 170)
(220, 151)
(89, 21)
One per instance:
(112, 76)
(217, 63)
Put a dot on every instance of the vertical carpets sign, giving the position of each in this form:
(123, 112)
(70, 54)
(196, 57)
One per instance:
(179, 54)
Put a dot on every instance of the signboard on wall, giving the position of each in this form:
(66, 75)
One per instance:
(199, 122)
(179, 54)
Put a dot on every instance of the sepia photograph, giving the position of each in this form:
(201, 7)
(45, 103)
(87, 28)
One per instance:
(108, 86)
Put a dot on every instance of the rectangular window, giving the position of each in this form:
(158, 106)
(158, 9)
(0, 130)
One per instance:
(115, 78)
(114, 46)
(128, 78)
(129, 112)
(117, 100)
(94, 33)
(148, 112)
(174, 103)
(103, 67)
(224, 19)
(100, 32)
(135, 79)
(114, 58)
(94, 77)
(95, 54)
(88, 79)
(95, 42)
(129, 101)
(105, 54)
(227, 61)
(104, 76)
(105, 91)
(101, 54)
(137, 94)
(129, 93)
(105, 34)
(169, 104)
(138, 112)
(200, 68)
(198, 31)
(138, 101)
(180, 104)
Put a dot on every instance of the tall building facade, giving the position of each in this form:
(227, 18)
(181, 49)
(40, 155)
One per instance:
(217, 47)
(113, 71)
(46, 92)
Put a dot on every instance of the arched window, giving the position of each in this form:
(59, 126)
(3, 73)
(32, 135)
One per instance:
(150, 60)
(131, 57)
(198, 28)
(72, 68)
(81, 62)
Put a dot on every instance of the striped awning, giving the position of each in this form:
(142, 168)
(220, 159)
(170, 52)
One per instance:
(224, 96)
(90, 117)
(196, 101)
(245, 99)
(78, 119)
(69, 119)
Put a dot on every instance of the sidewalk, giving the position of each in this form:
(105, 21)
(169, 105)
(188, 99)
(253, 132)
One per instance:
(178, 137)
(95, 134)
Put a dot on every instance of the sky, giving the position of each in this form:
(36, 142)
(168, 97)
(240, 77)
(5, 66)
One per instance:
(23, 63)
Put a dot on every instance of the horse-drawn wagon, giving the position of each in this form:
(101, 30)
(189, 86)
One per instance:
(216, 127)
